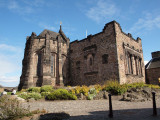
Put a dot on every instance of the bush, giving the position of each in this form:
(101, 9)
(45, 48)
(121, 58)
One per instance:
(61, 94)
(27, 96)
(92, 91)
(84, 90)
(23, 90)
(98, 88)
(72, 91)
(34, 89)
(44, 94)
(47, 88)
(136, 85)
(11, 109)
(115, 88)
(77, 90)
(90, 96)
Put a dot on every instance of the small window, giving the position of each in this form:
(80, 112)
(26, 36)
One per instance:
(78, 64)
(105, 59)
(90, 61)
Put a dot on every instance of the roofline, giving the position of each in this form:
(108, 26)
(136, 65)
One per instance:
(106, 25)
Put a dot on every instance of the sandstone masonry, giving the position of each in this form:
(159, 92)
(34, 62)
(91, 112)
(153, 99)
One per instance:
(153, 68)
(50, 58)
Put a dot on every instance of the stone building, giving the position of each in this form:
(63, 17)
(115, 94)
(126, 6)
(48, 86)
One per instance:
(44, 57)
(51, 59)
(153, 69)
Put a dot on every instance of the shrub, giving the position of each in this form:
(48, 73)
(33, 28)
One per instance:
(23, 95)
(27, 96)
(77, 90)
(84, 89)
(98, 88)
(61, 94)
(34, 89)
(115, 88)
(72, 91)
(136, 85)
(11, 109)
(92, 91)
(44, 94)
(23, 90)
(47, 88)
(90, 96)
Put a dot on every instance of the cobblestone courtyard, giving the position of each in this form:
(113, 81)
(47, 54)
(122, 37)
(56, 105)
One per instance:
(98, 109)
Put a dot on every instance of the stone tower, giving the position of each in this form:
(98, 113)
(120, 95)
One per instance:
(45, 60)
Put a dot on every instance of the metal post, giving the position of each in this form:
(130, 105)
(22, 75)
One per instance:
(110, 107)
(154, 105)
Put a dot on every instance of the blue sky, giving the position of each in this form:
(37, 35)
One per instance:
(19, 18)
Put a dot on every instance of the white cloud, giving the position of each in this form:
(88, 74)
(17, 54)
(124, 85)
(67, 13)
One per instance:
(9, 79)
(13, 5)
(10, 64)
(147, 23)
(145, 62)
(16, 7)
(103, 9)
(35, 3)
(8, 48)
(45, 26)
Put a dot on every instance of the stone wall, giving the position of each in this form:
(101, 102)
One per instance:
(127, 45)
(50, 59)
(45, 60)
(94, 49)
(153, 76)
(113, 43)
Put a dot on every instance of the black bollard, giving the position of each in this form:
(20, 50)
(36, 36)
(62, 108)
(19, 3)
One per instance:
(154, 105)
(110, 107)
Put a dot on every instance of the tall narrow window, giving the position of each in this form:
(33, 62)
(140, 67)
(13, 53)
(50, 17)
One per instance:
(140, 66)
(39, 64)
(131, 67)
(136, 66)
(53, 64)
(105, 59)
(90, 62)
(128, 63)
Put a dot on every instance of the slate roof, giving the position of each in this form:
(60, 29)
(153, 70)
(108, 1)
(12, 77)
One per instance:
(51, 33)
(153, 63)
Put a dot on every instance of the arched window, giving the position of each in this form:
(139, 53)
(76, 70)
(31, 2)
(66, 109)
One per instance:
(53, 64)
(89, 62)
(39, 64)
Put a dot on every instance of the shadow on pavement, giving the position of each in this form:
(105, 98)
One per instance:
(127, 114)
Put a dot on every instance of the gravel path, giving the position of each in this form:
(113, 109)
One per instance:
(98, 109)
